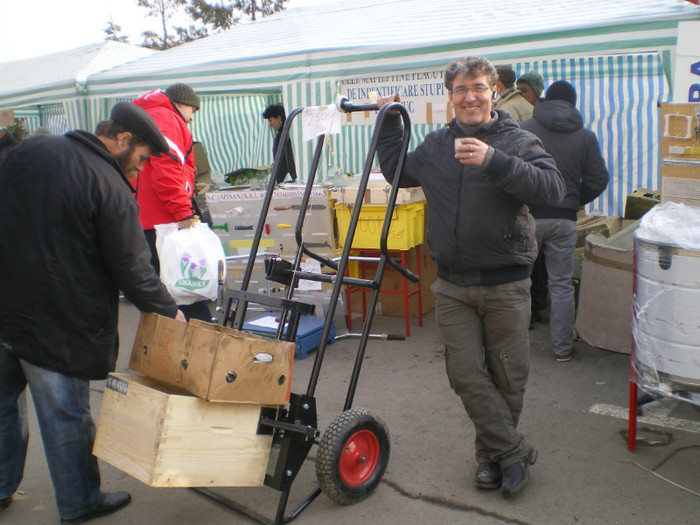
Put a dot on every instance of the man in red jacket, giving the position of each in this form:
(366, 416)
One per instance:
(165, 187)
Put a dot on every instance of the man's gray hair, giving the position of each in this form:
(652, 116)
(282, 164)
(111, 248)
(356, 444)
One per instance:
(470, 67)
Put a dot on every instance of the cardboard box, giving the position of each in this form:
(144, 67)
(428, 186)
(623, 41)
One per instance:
(680, 153)
(213, 362)
(377, 192)
(640, 201)
(604, 317)
(7, 118)
(391, 304)
(604, 225)
(165, 437)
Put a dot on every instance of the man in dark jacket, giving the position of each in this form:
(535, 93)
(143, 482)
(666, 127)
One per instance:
(71, 239)
(479, 174)
(275, 116)
(575, 148)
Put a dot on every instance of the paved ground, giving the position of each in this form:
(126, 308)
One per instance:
(573, 414)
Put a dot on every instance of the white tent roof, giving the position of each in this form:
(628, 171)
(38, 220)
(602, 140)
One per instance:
(292, 37)
(41, 79)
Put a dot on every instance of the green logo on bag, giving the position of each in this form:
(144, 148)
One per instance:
(192, 273)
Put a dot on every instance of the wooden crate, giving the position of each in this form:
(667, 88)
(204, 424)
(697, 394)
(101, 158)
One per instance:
(213, 362)
(165, 437)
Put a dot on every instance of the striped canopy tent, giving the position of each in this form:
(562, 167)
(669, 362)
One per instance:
(44, 91)
(617, 54)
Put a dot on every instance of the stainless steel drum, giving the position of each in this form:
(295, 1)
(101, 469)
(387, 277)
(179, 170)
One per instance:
(667, 315)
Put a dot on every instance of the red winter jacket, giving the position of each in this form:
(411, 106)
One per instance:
(166, 184)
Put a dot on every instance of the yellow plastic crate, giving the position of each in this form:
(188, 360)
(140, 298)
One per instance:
(407, 225)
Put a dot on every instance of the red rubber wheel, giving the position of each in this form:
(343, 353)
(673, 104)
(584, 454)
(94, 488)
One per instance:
(353, 456)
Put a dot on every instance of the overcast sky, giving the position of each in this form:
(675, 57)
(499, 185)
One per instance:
(30, 28)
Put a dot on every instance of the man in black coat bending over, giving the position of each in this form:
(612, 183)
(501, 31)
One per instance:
(71, 239)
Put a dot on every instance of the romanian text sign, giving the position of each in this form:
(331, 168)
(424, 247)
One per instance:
(423, 94)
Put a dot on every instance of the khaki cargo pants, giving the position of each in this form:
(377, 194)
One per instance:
(485, 332)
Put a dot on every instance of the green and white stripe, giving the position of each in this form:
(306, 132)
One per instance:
(615, 53)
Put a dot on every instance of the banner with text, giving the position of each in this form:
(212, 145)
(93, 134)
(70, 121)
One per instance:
(686, 84)
(423, 94)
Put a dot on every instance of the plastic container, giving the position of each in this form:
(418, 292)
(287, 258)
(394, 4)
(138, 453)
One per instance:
(407, 225)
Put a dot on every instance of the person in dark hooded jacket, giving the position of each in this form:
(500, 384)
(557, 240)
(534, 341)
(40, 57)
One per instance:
(577, 152)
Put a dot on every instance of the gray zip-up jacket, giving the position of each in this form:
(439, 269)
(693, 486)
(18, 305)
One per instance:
(577, 153)
(480, 230)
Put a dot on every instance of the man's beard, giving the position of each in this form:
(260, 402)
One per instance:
(124, 159)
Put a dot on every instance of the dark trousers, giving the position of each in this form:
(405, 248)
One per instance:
(200, 309)
(538, 290)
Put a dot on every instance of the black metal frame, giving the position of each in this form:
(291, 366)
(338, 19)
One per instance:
(295, 428)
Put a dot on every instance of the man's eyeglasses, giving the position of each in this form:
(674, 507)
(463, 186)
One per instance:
(477, 90)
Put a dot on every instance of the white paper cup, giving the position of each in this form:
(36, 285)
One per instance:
(458, 143)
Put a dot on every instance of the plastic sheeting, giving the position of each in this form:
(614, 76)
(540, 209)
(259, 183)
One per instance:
(666, 322)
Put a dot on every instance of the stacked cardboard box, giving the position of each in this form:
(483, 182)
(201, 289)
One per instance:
(391, 304)
(601, 224)
(680, 153)
(640, 201)
(377, 192)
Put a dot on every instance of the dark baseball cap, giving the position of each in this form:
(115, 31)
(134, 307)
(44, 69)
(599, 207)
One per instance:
(140, 123)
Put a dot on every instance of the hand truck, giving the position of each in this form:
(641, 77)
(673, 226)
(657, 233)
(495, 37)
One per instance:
(354, 450)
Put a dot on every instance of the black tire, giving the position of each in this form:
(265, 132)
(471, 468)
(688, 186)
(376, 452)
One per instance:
(353, 456)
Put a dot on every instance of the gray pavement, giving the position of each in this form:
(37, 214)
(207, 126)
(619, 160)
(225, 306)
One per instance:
(574, 414)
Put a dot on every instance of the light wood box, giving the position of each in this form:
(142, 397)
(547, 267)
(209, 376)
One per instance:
(213, 362)
(167, 438)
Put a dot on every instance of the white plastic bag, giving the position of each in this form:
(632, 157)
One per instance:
(189, 261)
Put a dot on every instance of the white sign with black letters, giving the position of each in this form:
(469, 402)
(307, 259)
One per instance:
(423, 94)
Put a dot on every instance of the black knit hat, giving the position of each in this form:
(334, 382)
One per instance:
(561, 90)
(137, 121)
(183, 94)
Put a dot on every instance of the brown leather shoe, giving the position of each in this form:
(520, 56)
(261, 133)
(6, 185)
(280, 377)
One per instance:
(113, 502)
(488, 475)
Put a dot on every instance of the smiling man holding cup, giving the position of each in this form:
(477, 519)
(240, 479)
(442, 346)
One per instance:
(479, 175)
